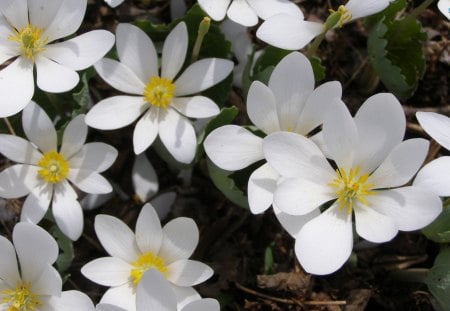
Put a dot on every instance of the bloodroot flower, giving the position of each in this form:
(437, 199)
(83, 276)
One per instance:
(164, 249)
(372, 163)
(27, 30)
(44, 171)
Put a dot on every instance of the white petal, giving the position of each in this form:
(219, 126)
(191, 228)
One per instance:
(163, 203)
(8, 48)
(178, 135)
(291, 82)
(144, 178)
(74, 136)
(436, 125)
(136, 51)
(268, 8)
(298, 196)
(18, 180)
(39, 128)
(94, 156)
(411, 207)
(443, 7)
(293, 155)
(120, 76)
(48, 282)
(174, 51)
(149, 234)
(362, 8)
(291, 223)
(240, 12)
(93, 201)
(188, 272)
(216, 9)
(36, 204)
(325, 243)
(262, 107)
(67, 212)
(340, 135)
(154, 293)
(206, 304)
(435, 177)
(123, 296)
(317, 105)
(82, 51)
(185, 295)
(107, 306)
(89, 181)
(146, 130)
(16, 86)
(35, 248)
(42, 12)
(381, 126)
(67, 20)
(107, 271)
(18, 149)
(401, 164)
(288, 32)
(232, 147)
(9, 272)
(180, 238)
(71, 300)
(117, 239)
(16, 12)
(201, 75)
(114, 3)
(261, 186)
(195, 107)
(115, 112)
(53, 77)
(373, 226)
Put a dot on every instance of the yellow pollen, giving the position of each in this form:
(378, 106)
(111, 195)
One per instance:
(29, 40)
(345, 15)
(159, 92)
(54, 167)
(143, 263)
(20, 299)
(351, 186)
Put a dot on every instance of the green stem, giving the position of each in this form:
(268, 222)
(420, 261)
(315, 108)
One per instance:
(417, 11)
(315, 44)
(9, 126)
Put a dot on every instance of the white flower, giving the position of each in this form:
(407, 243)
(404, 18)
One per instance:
(293, 33)
(27, 279)
(246, 12)
(44, 172)
(372, 163)
(434, 175)
(154, 293)
(288, 103)
(27, 30)
(155, 95)
(444, 7)
(114, 3)
(165, 249)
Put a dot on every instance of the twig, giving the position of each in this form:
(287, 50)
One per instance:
(10, 128)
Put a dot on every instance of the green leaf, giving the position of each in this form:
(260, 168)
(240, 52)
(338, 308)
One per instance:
(438, 279)
(318, 68)
(268, 259)
(81, 94)
(270, 57)
(226, 185)
(439, 230)
(66, 254)
(396, 52)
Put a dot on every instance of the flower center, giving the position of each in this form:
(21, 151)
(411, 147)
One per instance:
(143, 263)
(20, 299)
(351, 186)
(29, 40)
(54, 167)
(159, 91)
(344, 15)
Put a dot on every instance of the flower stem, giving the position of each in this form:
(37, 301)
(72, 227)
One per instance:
(9, 126)
(417, 11)
(203, 29)
(315, 44)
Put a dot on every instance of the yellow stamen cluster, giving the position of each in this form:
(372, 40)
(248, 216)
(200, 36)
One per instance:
(351, 186)
(20, 299)
(159, 92)
(143, 263)
(345, 15)
(29, 40)
(54, 167)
